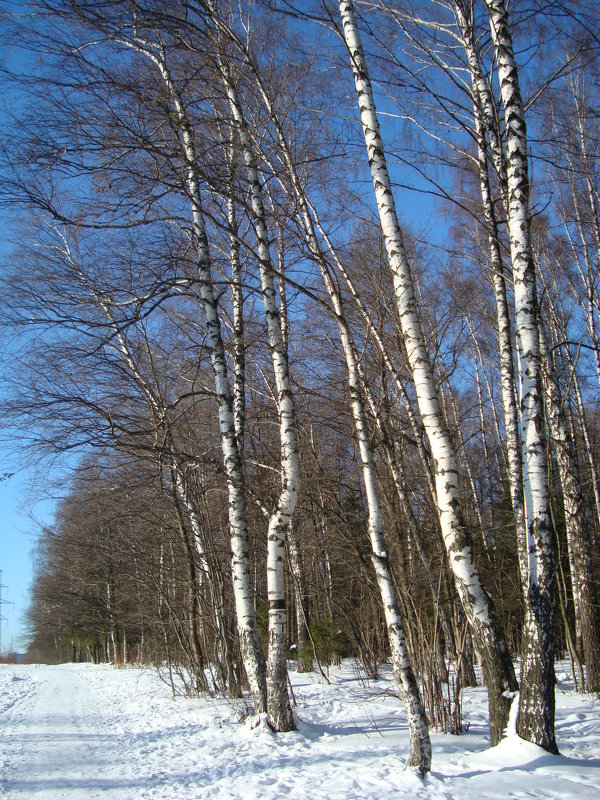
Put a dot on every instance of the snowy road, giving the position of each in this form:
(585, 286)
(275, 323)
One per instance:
(81, 732)
(60, 738)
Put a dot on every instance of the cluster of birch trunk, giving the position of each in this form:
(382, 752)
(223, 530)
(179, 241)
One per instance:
(290, 406)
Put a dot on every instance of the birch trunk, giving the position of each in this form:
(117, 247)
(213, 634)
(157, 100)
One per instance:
(278, 703)
(239, 350)
(251, 651)
(585, 598)
(423, 549)
(535, 720)
(499, 671)
(485, 122)
(420, 744)
(420, 747)
(508, 382)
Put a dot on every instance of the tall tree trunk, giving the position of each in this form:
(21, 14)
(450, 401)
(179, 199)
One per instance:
(485, 121)
(535, 720)
(499, 671)
(250, 647)
(237, 298)
(420, 745)
(278, 703)
(585, 597)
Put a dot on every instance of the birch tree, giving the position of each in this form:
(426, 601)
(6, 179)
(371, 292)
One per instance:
(499, 672)
(278, 704)
(536, 700)
(420, 747)
(488, 137)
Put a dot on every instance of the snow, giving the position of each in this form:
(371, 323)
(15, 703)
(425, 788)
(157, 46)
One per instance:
(83, 731)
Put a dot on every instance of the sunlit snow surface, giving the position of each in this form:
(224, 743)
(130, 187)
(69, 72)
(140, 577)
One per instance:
(81, 731)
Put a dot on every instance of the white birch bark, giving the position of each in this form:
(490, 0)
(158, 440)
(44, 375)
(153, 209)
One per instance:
(196, 526)
(485, 121)
(250, 647)
(476, 602)
(535, 720)
(424, 550)
(420, 748)
(420, 744)
(237, 298)
(585, 596)
(295, 553)
(278, 704)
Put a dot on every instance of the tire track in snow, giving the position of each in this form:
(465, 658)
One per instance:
(58, 743)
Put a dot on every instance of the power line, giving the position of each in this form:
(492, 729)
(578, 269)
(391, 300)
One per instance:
(3, 602)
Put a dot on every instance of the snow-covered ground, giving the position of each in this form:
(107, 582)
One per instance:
(83, 731)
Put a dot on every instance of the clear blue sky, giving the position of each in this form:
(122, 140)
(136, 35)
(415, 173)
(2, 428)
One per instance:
(17, 539)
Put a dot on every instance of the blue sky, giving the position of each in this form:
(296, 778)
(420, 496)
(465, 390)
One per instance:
(19, 521)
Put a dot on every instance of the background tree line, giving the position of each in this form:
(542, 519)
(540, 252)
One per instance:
(299, 419)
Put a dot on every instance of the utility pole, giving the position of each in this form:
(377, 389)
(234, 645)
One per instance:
(3, 602)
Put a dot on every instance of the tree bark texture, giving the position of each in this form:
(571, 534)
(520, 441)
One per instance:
(535, 720)
(279, 710)
(499, 671)
(251, 651)
(485, 123)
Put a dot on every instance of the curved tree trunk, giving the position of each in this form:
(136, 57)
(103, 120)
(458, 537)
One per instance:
(420, 744)
(499, 671)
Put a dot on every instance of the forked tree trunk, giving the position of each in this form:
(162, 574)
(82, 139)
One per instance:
(278, 703)
(535, 720)
(489, 639)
